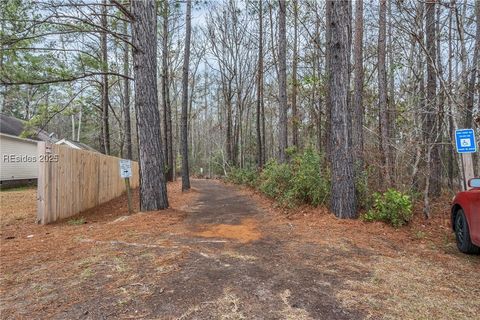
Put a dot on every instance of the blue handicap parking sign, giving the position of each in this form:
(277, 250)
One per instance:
(465, 141)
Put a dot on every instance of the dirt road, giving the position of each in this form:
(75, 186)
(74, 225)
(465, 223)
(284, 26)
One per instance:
(248, 270)
(232, 265)
(223, 257)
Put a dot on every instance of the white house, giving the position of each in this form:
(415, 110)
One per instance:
(18, 155)
(18, 158)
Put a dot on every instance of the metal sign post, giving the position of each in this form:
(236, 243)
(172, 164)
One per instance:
(466, 145)
(126, 173)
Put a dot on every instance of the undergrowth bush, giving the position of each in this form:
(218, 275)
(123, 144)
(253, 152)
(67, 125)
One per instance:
(305, 180)
(301, 180)
(310, 184)
(363, 193)
(247, 176)
(276, 181)
(392, 207)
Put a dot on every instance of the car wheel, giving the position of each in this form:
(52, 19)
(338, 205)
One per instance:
(464, 243)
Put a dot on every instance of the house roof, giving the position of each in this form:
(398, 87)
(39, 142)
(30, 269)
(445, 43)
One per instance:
(18, 138)
(15, 127)
(76, 145)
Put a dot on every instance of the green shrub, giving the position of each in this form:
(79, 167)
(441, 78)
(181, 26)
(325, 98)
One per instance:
(309, 184)
(392, 207)
(362, 189)
(299, 181)
(275, 181)
(245, 176)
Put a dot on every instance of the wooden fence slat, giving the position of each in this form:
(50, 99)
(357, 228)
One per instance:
(41, 182)
(78, 181)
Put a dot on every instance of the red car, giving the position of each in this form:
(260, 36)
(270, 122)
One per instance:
(466, 218)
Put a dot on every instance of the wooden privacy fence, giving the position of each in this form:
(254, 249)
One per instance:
(71, 181)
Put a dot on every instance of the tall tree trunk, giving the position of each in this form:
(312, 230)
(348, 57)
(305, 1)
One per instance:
(227, 93)
(153, 188)
(441, 96)
(167, 108)
(382, 94)
(466, 158)
(418, 114)
(282, 82)
(431, 106)
(465, 122)
(236, 134)
(73, 126)
(476, 158)
(184, 120)
(230, 136)
(260, 158)
(451, 131)
(126, 101)
(328, 107)
(358, 108)
(471, 85)
(79, 128)
(317, 75)
(392, 113)
(343, 181)
(295, 117)
(264, 150)
(105, 102)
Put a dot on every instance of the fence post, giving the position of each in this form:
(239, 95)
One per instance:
(41, 181)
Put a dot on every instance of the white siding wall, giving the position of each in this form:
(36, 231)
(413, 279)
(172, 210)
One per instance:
(26, 168)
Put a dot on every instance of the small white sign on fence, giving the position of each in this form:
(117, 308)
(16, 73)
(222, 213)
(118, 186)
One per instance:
(125, 168)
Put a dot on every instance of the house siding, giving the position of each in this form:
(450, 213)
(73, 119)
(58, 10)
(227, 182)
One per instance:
(18, 158)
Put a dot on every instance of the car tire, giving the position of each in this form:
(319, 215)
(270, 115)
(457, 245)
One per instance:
(462, 234)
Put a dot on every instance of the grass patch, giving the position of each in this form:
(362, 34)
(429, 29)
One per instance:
(86, 273)
(420, 235)
(77, 221)
(120, 265)
(412, 287)
(17, 188)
